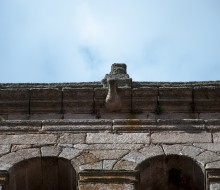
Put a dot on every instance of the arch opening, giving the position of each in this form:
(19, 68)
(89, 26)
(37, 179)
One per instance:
(172, 172)
(46, 173)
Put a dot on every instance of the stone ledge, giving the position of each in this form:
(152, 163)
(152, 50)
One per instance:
(77, 125)
(117, 125)
(78, 122)
(135, 84)
(119, 176)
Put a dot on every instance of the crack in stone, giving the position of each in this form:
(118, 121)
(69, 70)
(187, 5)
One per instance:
(160, 145)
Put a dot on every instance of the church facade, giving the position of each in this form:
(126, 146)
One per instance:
(116, 134)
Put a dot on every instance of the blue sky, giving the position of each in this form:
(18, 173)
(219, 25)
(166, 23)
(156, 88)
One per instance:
(78, 40)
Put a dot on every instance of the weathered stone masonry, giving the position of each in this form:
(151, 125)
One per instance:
(61, 136)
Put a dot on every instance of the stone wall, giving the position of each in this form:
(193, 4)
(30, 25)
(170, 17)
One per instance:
(165, 101)
(116, 147)
(111, 135)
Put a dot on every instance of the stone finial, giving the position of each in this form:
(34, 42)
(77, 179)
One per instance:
(119, 73)
(113, 101)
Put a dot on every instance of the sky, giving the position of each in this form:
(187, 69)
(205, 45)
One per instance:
(78, 40)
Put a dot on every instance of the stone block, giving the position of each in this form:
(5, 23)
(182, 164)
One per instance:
(213, 165)
(175, 99)
(46, 116)
(45, 101)
(20, 155)
(144, 99)
(134, 156)
(128, 125)
(14, 101)
(68, 138)
(180, 137)
(109, 146)
(108, 164)
(104, 186)
(207, 157)
(50, 151)
(172, 149)
(70, 153)
(78, 100)
(207, 99)
(92, 166)
(28, 139)
(180, 125)
(84, 125)
(214, 147)
(16, 147)
(78, 116)
(85, 158)
(122, 138)
(108, 154)
(189, 115)
(125, 95)
(216, 137)
(209, 115)
(18, 116)
(100, 96)
(125, 165)
(4, 149)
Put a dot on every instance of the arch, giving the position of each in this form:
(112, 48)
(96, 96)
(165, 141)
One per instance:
(170, 172)
(42, 173)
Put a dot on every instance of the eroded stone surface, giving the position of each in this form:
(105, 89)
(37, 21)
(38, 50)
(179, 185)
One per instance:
(172, 149)
(121, 138)
(134, 156)
(124, 165)
(214, 186)
(215, 147)
(191, 151)
(71, 138)
(109, 146)
(102, 186)
(207, 157)
(28, 139)
(216, 137)
(85, 158)
(109, 154)
(70, 153)
(4, 149)
(20, 155)
(16, 147)
(92, 166)
(108, 164)
(180, 137)
(50, 151)
(215, 164)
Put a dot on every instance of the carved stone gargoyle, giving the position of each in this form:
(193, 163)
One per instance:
(113, 100)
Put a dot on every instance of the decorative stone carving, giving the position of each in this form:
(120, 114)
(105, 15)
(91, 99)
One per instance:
(119, 73)
(113, 101)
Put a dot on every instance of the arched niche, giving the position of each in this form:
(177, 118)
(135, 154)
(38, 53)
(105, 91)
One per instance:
(45, 173)
(172, 172)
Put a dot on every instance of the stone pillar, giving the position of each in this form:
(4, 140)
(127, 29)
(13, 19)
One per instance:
(212, 179)
(111, 180)
(3, 179)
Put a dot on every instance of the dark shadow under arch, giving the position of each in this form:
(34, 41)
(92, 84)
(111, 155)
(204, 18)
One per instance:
(172, 172)
(46, 173)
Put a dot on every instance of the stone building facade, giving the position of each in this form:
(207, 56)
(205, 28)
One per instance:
(116, 134)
